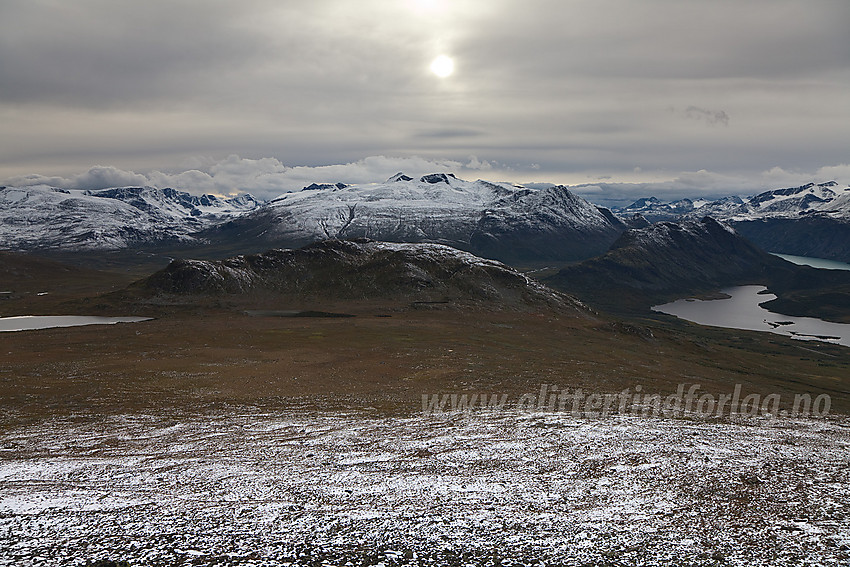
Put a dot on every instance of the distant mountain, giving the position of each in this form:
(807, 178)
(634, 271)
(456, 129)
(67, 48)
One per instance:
(724, 208)
(359, 269)
(495, 220)
(44, 218)
(511, 223)
(793, 201)
(654, 210)
(825, 198)
(671, 258)
(810, 220)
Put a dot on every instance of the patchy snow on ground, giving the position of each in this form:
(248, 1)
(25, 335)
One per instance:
(478, 489)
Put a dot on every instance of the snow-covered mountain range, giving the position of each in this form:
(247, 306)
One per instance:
(495, 220)
(653, 210)
(827, 199)
(503, 221)
(42, 217)
(810, 220)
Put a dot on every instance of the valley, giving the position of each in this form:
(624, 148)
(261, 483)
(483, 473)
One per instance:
(201, 350)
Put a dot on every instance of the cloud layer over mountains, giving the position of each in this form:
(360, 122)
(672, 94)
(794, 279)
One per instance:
(545, 90)
(268, 178)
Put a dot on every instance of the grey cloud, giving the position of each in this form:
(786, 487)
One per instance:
(712, 117)
(711, 185)
(664, 39)
(445, 133)
(223, 54)
(578, 87)
(99, 177)
(97, 52)
(268, 177)
(96, 177)
(265, 178)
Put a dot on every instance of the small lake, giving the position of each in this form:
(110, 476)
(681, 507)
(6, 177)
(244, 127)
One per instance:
(821, 263)
(742, 311)
(32, 322)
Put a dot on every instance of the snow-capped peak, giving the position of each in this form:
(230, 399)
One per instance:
(48, 217)
(477, 216)
(399, 177)
(820, 198)
(438, 178)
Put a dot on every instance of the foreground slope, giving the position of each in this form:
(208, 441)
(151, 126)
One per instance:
(217, 437)
(296, 488)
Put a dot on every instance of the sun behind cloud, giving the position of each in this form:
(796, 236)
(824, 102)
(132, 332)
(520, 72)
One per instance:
(427, 6)
(443, 66)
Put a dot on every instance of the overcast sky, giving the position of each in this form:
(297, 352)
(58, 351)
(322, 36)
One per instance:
(691, 96)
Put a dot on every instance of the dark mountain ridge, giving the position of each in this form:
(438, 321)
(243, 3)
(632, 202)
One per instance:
(360, 270)
(667, 259)
(809, 220)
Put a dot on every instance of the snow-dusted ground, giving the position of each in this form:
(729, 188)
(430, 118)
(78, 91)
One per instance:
(274, 489)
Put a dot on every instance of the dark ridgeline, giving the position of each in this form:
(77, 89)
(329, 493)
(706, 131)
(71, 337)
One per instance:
(360, 270)
(669, 260)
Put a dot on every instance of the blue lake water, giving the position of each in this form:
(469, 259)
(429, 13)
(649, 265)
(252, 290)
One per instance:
(32, 322)
(822, 263)
(742, 310)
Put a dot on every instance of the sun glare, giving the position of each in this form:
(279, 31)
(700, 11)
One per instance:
(443, 66)
(427, 6)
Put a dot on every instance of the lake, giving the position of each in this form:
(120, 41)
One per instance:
(33, 322)
(821, 263)
(742, 310)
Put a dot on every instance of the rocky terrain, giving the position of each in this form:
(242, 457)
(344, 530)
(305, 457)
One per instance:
(360, 269)
(814, 235)
(295, 488)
